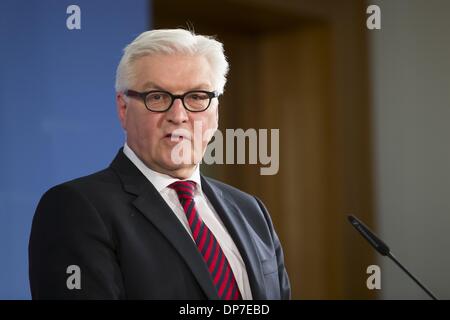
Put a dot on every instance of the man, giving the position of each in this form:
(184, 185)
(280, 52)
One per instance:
(150, 226)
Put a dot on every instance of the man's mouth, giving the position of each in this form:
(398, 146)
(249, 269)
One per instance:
(176, 137)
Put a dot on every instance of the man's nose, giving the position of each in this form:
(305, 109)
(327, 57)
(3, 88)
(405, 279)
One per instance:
(177, 113)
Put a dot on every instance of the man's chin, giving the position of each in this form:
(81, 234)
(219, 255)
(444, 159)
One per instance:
(176, 161)
(180, 171)
(178, 165)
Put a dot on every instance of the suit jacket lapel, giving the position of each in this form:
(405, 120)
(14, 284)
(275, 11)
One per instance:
(239, 230)
(156, 210)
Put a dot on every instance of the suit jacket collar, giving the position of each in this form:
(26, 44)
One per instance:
(155, 209)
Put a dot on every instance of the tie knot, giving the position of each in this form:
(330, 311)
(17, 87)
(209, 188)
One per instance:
(184, 188)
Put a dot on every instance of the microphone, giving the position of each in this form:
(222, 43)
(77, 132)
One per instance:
(383, 249)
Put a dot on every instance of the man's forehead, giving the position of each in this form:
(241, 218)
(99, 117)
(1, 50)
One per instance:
(157, 85)
(177, 73)
(171, 62)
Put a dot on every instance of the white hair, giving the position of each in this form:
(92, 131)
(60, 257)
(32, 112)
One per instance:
(173, 41)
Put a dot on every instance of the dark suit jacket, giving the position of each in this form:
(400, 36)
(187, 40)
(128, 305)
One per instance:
(128, 243)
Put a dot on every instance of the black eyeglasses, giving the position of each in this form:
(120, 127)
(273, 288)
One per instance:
(161, 101)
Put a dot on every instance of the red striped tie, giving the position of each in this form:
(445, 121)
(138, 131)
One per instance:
(207, 244)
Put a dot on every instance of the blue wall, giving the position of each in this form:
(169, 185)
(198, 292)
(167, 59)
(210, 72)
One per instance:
(57, 109)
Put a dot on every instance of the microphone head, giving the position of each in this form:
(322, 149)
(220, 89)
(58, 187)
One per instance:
(379, 245)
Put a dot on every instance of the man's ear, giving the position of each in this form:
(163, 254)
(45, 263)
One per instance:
(121, 108)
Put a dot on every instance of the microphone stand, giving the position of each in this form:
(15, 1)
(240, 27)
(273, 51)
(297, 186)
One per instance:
(384, 250)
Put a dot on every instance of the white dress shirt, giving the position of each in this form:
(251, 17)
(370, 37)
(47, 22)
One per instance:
(206, 211)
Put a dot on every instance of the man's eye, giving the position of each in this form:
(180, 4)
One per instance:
(197, 96)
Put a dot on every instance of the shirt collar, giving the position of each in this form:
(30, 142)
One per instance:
(159, 180)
